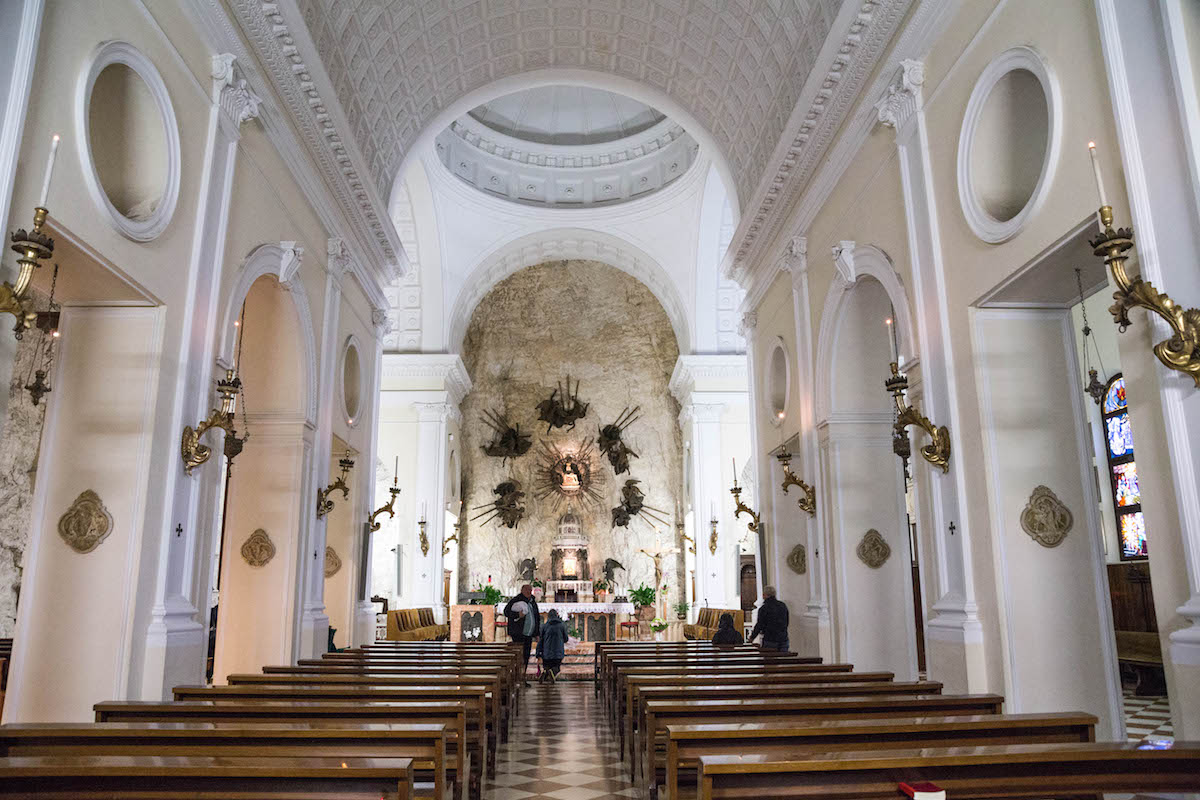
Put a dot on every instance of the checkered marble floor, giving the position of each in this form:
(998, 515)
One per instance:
(1147, 718)
(560, 747)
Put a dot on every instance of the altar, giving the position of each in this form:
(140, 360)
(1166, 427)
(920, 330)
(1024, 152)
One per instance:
(595, 622)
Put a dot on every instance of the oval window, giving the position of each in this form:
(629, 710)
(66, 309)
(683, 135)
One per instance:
(351, 382)
(778, 385)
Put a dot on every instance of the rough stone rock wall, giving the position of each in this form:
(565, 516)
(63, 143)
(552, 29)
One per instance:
(607, 330)
(20, 437)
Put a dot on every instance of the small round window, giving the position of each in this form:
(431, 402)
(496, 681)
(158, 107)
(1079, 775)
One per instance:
(778, 384)
(129, 141)
(1009, 144)
(351, 382)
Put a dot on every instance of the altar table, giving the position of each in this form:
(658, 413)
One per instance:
(596, 622)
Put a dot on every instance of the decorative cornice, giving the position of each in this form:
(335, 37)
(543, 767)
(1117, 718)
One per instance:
(813, 129)
(438, 412)
(289, 58)
(446, 366)
(903, 98)
(923, 29)
(231, 91)
(692, 368)
(700, 412)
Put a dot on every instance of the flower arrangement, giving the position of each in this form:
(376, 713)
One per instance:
(600, 586)
(658, 624)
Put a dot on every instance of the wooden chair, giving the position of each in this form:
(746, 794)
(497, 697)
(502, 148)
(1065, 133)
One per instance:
(633, 624)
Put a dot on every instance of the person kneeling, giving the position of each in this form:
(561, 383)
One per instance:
(552, 646)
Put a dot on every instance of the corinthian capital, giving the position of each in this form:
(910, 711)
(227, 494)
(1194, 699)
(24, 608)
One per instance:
(748, 324)
(903, 97)
(232, 93)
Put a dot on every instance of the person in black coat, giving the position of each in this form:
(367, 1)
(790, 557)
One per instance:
(727, 633)
(521, 628)
(772, 622)
(552, 645)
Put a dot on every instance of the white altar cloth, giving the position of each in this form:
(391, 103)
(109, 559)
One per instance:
(565, 609)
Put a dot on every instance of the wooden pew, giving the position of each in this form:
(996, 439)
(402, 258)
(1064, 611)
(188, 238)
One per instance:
(636, 718)
(793, 710)
(606, 663)
(425, 744)
(687, 743)
(622, 664)
(469, 752)
(92, 777)
(965, 773)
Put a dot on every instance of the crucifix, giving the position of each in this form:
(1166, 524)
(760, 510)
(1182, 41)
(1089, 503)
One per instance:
(657, 555)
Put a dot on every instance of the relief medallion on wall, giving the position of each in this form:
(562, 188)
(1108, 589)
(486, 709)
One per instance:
(86, 524)
(1046, 518)
(873, 550)
(798, 559)
(333, 562)
(258, 549)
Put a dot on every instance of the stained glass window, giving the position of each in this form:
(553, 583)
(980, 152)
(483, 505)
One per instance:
(1133, 535)
(1120, 439)
(1127, 491)
(1114, 396)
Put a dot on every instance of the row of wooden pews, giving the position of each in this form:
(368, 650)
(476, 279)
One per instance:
(699, 721)
(391, 720)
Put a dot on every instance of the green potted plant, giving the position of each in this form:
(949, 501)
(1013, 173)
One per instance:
(681, 609)
(600, 589)
(643, 600)
(491, 595)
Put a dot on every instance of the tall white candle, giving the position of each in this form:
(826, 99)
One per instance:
(1096, 171)
(49, 171)
(892, 338)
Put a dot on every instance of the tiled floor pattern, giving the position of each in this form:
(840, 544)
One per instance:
(1147, 718)
(560, 747)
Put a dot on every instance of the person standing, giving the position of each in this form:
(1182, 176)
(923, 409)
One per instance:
(772, 622)
(524, 621)
(552, 646)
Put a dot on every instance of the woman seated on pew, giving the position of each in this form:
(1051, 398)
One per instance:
(726, 633)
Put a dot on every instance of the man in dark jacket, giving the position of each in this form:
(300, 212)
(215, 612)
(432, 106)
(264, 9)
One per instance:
(524, 621)
(772, 622)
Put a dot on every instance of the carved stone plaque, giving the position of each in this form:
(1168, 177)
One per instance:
(86, 524)
(873, 550)
(471, 629)
(798, 559)
(258, 549)
(333, 562)
(1045, 518)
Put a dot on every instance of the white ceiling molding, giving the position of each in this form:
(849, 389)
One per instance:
(565, 176)
(404, 296)
(311, 160)
(830, 92)
(692, 369)
(923, 29)
(448, 367)
(561, 244)
(737, 69)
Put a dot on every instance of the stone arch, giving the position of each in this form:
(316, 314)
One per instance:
(567, 243)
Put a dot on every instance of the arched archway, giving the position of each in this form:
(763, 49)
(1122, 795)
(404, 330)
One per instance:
(262, 516)
(866, 528)
(567, 243)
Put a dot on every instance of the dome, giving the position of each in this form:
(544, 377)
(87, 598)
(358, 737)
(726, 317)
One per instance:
(566, 146)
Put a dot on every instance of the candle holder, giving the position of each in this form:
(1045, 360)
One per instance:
(449, 539)
(691, 542)
(937, 452)
(191, 450)
(32, 246)
(1181, 351)
(324, 504)
(755, 526)
(394, 491)
(712, 536)
(424, 538)
(809, 501)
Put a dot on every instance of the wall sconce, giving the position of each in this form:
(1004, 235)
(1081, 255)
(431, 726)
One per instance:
(389, 507)
(937, 452)
(424, 537)
(691, 542)
(32, 246)
(1180, 352)
(324, 504)
(712, 536)
(809, 501)
(454, 538)
(741, 508)
(193, 452)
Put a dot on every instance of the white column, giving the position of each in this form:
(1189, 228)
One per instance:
(954, 620)
(312, 638)
(364, 610)
(430, 492)
(176, 636)
(701, 422)
(1151, 76)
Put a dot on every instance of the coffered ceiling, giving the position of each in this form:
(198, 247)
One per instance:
(737, 66)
